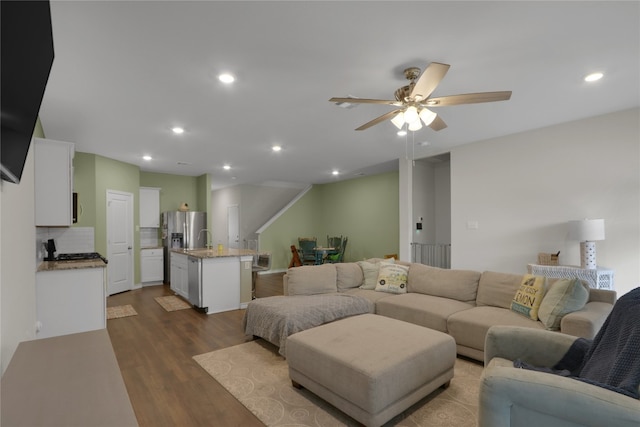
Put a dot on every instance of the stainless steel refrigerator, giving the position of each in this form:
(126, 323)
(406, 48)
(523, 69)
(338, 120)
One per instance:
(182, 230)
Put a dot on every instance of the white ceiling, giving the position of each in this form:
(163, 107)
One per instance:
(125, 73)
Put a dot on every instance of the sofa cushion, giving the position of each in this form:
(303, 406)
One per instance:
(461, 285)
(469, 327)
(369, 294)
(424, 310)
(497, 289)
(312, 279)
(529, 296)
(392, 278)
(563, 297)
(370, 270)
(349, 275)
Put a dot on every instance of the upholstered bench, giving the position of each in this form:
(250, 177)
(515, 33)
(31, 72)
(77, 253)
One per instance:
(371, 367)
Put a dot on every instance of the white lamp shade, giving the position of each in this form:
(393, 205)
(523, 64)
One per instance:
(427, 116)
(398, 120)
(411, 114)
(586, 230)
(415, 125)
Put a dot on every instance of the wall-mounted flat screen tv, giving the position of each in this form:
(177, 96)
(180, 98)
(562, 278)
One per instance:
(26, 55)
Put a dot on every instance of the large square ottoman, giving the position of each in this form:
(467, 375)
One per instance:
(371, 367)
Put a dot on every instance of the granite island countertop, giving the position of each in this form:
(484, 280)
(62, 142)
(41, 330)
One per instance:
(203, 253)
(70, 265)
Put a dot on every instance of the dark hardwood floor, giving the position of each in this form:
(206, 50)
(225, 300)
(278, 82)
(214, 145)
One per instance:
(155, 349)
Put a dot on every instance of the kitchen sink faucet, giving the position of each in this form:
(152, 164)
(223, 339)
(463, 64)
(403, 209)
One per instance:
(207, 245)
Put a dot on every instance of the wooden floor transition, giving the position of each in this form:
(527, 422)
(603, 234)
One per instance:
(155, 348)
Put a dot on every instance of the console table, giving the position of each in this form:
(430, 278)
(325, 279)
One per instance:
(69, 380)
(599, 278)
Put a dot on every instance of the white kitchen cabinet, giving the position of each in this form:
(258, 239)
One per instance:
(151, 265)
(149, 207)
(53, 182)
(179, 274)
(70, 301)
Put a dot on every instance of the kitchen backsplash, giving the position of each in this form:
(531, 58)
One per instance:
(67, 240)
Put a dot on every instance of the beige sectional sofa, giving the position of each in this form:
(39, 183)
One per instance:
(461, 303)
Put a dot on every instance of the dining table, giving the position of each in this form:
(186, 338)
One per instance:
(322, 252)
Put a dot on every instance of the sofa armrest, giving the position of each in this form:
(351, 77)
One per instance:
(602, 295)
(534, 346)
(511, 396)
(586, 322)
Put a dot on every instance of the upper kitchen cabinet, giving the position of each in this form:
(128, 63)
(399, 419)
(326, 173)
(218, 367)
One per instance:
(149, 207)
(53, 182)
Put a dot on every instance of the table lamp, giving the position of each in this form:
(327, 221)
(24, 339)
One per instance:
(587, 231)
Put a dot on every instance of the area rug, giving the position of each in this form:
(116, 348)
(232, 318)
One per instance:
(172, 303)
(121, 311)
(256, 375)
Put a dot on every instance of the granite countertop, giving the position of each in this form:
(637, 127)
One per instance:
(70, 265)
(203, 253)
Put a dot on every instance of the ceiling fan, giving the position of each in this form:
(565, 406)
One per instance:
(414, 100)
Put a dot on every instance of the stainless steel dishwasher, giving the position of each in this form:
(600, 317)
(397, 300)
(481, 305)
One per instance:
(194, 275)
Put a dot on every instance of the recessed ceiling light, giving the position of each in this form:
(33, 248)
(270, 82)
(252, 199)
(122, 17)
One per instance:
(147, 158)
(177, 130)
(402, 132)
(593, 77)
(226, 78)
(335, 172)
(424, 143)
(226, 167)
(276, 148)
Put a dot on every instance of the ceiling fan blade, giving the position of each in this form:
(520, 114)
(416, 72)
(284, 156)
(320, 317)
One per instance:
(377, 120)
(365, 101)
(438, 124)
(429, 80)
(467, 98)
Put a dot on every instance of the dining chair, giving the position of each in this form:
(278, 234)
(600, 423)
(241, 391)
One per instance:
(307, 251)
(338, 255)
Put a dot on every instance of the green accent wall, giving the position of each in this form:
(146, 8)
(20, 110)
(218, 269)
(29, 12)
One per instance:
(94, 175)
(366, 210)
(84, 172)
(175, 190)
(203, 183)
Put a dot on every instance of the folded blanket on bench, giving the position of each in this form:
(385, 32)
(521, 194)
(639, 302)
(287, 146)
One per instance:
(275, 318)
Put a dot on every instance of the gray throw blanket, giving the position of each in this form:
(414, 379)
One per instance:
(612, 359)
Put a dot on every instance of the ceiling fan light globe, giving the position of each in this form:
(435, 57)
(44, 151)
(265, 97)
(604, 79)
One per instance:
(427, 116)
(411, 114)
(398, 120)
(415, 125)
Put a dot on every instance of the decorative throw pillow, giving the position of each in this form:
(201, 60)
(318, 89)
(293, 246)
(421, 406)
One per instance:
(370, 272)
(392, 278)
(529, 296)
(563, 297)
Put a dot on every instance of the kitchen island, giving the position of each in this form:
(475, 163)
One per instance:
(215, 280)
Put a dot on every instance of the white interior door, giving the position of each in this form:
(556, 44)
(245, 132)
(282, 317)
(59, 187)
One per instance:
(119, 241)
(233, 227)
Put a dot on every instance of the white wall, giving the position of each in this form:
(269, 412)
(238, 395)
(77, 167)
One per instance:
(17, 262)
(432, 200)
(424, 205)
(256, 205)
(523, 189)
